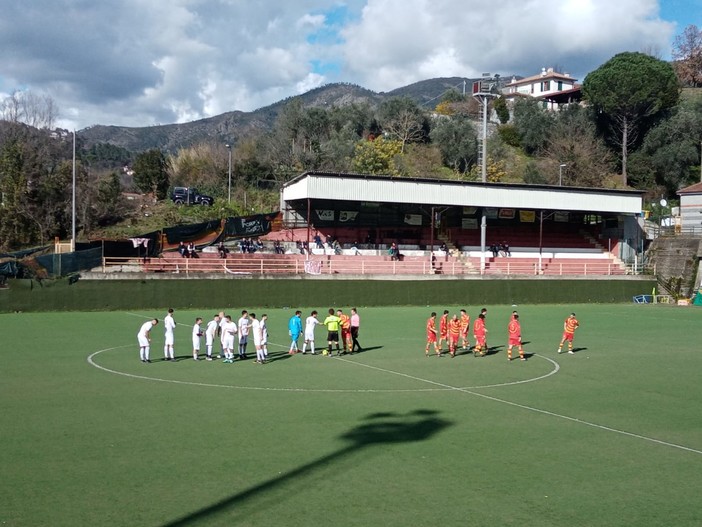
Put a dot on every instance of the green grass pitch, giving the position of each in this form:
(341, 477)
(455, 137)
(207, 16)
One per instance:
(609, 436)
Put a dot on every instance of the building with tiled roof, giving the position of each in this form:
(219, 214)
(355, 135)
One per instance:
(551, 87)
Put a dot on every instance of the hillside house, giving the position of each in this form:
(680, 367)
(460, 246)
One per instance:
(691, 208)
(551, 87)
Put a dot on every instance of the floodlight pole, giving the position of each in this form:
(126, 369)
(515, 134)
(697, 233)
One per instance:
(484, 90)
(229, 187)
(73, 207)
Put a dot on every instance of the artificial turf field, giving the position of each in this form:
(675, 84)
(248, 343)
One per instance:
(611, 435)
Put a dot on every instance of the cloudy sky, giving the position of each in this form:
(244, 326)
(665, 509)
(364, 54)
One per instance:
(145, 62)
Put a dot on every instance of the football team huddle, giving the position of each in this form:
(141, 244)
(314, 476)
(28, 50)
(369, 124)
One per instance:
(455, 330)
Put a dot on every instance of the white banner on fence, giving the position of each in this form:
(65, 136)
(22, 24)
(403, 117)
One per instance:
(413, 219)
(325, 215)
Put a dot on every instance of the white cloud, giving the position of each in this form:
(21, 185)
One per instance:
(140, 63)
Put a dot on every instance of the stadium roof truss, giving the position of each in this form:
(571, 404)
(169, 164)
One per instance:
(429, 192)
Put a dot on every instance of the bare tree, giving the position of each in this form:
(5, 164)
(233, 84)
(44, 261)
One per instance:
(687, 56)
(38, 111)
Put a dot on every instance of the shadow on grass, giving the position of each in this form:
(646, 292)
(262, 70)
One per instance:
(370, 348)
(493, 350)
(377, 428)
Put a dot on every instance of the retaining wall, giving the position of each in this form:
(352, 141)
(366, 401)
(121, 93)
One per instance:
(139, 294)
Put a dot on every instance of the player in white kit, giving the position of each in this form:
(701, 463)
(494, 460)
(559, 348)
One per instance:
(310, 323)
(197, 333)
(256, 333)
(170, 324)
(210, 334)
(244, 324)
(264, 335)
(228, 332)
(222, 320)
(144, 338)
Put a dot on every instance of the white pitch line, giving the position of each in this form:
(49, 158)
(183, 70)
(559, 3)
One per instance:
(322, 390)
(232, 386)
(443, 387)
(532, 409)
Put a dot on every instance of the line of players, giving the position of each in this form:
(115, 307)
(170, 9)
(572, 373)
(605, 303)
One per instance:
(221, 326)
(227, 330)
(456, 329)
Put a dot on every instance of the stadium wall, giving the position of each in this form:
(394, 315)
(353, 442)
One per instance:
(100, 295)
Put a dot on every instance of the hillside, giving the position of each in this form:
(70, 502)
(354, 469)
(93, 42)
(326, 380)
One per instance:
(232, 126)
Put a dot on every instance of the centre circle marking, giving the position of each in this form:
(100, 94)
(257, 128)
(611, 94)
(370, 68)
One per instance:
(91, 361)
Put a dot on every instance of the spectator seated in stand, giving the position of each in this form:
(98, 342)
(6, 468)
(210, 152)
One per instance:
(192, 251)
(494, 250)
(504, 249)
(183, 250)
(394, 252)
(337, 247)
(318, 241)
(222, 250)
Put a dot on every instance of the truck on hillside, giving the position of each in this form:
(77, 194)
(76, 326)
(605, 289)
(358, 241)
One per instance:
(190, 196)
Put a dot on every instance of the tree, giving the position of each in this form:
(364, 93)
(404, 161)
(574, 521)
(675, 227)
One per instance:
(500, 107)
(670, 154)
(204, 165)
(456, 139)
(687, 56)
(377, 157)
(403, 120)
(573, 142)
(151, 173)
(628, 90)
(532, 124)
(38, 111)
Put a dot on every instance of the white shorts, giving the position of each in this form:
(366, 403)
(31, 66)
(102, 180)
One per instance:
(196, 343)
(228, 342)
(257, 342)
(169, 339)
(309, 335)
(143, 340)
(209, 339)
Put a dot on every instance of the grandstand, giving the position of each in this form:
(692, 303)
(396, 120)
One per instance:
(329, 220)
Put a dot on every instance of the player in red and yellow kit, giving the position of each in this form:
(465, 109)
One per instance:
(480, 334)
(454, 333)
(443, 329)
(431, 335)
(514, 330)
(569, 326)
(465, 324)
(345, 325)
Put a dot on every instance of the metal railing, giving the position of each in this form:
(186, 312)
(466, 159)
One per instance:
(361, 265)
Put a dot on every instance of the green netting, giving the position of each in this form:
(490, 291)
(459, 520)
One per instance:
(192, 232)
(69, 263)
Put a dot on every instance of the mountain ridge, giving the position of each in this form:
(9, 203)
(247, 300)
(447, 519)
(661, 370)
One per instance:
(231, 127)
